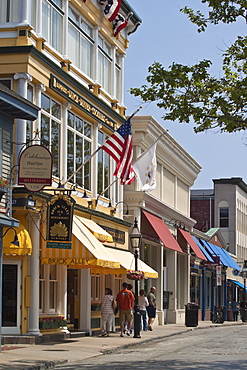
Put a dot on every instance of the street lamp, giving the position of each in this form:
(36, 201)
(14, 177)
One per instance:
(135, 240)
(244, 274)
(16, 243)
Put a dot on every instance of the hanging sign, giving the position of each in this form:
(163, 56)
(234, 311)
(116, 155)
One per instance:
(35, 168)
(59, 221)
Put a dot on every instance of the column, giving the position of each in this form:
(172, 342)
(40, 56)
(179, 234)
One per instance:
(24, 12)
(172, 285)
(62, 293)
(160, 283)
(20, 124)
(34, 227)
(85, 300)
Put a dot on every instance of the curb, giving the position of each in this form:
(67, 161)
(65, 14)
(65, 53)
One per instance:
(45, 365)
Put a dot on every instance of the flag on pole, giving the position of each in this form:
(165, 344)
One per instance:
(110, 8)
(119, 147)
(118, 24)
(145, 168)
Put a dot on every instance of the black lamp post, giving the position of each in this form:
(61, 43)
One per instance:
(135, 239)
(244, 274)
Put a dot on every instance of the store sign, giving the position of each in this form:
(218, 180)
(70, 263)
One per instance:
(117, 235)
(59, 222)
(35, 168)
(78, 100)
(218, 275)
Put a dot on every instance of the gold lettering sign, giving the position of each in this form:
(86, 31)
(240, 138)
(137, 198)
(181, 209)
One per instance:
(64, 90)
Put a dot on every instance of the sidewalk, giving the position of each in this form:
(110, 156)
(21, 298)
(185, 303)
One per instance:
(45, 356)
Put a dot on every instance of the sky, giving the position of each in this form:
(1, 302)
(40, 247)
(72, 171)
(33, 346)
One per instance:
(167, 36)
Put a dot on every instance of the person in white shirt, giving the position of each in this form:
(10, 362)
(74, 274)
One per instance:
(107, 313)
(143, 303)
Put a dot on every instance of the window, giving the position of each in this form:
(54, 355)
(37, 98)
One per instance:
(52, 23)
(9, 11)
(48, 289)
(224, 217)
(105, 63)
(80, 36)
(50, 129)
(118, 77)
(103, 167)
(79, 150)
(95, 288)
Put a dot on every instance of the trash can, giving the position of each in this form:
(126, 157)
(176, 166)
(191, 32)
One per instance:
(191, 314)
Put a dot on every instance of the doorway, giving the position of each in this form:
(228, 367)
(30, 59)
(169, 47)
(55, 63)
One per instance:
(73, 299)
(11, 298)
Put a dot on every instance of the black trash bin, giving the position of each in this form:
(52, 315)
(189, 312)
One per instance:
(191, 314)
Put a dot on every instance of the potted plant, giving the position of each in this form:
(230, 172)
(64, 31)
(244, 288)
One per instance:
(4, 186)
(135, 275)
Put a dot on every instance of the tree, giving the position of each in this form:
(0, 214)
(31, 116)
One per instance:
(187, 92)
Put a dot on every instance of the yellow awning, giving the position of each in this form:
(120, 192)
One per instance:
(24, 242)
(127, 262)
(86, 251)
(96, 230)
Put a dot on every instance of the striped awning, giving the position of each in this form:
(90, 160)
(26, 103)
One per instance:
(101, 234)
(86, 251)
(25, 243)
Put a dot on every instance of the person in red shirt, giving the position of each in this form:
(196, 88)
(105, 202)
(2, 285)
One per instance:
(125, 300)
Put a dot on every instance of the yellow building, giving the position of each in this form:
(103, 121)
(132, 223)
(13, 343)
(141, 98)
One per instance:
(63, 56)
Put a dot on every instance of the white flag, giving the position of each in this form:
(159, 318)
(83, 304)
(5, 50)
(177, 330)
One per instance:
(145, 168)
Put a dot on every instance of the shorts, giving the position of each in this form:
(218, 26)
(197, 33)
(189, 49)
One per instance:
(151, 310)
(125, 315)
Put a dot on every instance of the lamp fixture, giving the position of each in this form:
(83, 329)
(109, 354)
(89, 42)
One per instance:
(15, 241)
(127, 210)
(135, 236)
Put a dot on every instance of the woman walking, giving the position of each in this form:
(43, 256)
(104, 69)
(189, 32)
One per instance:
(143, 303)
(107, 313)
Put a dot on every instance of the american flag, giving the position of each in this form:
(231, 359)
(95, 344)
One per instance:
(110, 8)
(119, 146)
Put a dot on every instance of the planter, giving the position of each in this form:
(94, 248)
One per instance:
(51, 324)
(135, 275)
(2, 192)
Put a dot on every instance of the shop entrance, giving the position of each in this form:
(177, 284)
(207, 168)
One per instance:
(11, 303)
(73, 299)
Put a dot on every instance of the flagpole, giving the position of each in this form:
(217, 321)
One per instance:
(105, 190)
(95, 152)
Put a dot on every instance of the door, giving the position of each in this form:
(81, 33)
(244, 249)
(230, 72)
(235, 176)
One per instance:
(11, 298)
(73, 299)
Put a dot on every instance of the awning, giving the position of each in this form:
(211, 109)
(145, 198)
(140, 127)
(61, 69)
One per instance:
(25, 243)
(209, 258)
(192, 244)
(225, 257)
(162, 231)
(127, 262)
(86, 252)
(237, 283)
(101, 234)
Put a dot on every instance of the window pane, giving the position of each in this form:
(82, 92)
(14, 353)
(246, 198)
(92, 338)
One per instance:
(87, 153)
(87, 129)
(55, 147)
(45, 103)
(74, 38)
(79, 158)
(45, 131)
(55, 109)
(71, 119)
(46, 19)
(79, 124)
(70, 153)
(57, 30)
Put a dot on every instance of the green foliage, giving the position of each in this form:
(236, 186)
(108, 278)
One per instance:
(186, 92)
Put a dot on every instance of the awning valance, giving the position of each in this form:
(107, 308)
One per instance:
(25, 243)
(101, 234)
(162, 231)
(188, 238)
(86, 251)
(127, 261)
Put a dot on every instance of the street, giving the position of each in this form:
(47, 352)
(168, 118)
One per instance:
(211, 348)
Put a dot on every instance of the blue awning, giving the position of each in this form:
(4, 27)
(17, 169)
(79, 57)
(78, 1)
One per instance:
(225, 257)
(237, 283)
(209, 258)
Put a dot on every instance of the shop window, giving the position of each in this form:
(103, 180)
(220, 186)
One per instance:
(104, 65)
(79, 150)
(50, 129)
(80, 42)
(52, 23)
(103, 167)
(224, 217)
(48, 289)
(9, 11)
(95, 288)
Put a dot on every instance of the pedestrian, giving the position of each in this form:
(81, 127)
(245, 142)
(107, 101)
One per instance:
(143, 303)
(107, 313)
(151, 308)
(125, 299)
(235, 309)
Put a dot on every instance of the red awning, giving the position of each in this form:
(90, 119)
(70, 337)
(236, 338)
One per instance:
(192, 244)
(162, 231)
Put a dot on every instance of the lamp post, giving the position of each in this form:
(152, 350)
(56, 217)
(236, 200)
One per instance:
(135, 239)
(244, 274)
(16, 243)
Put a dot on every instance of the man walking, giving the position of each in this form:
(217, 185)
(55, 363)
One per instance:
(151, 309)
(125, 299)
